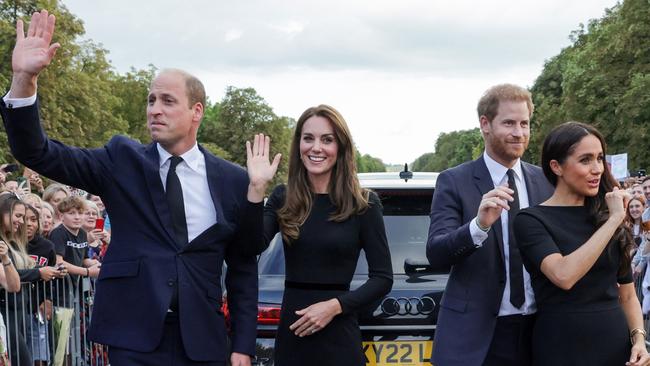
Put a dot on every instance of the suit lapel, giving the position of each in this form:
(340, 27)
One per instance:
(151, 168)
(532, 185)
(484, 183)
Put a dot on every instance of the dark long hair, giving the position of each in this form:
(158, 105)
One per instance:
(558, 145)
(344, 189)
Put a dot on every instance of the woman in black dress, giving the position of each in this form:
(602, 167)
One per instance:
(577, 250)
(325, 218)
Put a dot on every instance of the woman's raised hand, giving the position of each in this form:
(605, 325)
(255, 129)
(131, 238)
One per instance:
(617, 201)
(260, 169)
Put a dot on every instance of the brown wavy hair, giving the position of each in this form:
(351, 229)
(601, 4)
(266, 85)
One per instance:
(344, 190)
(558, 145)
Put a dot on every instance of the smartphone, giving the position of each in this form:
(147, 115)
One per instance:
(99, 224)
(10, 168)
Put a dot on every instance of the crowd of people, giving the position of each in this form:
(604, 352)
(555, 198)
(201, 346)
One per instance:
(54, 237)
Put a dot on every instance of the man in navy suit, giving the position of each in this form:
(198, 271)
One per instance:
(487, 310)
(177, 213)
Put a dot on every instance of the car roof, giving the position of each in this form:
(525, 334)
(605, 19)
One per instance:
(392, 180)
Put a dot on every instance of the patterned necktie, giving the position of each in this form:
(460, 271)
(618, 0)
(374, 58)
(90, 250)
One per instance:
(517, 296)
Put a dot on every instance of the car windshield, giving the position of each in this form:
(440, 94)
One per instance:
(406, 218)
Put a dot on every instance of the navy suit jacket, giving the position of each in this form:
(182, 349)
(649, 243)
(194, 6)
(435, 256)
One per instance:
(144, 263)
(472, 298)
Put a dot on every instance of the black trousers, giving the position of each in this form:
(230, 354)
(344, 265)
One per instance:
(170, 351)
(511, 343)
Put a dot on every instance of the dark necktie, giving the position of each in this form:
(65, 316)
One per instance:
(517, 296)
(174, 194)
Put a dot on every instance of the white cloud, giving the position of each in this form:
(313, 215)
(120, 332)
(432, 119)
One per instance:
(232, 35)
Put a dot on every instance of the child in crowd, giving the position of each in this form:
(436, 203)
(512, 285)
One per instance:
(71, 242)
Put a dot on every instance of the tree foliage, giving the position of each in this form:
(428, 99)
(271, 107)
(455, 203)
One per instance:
(368, 164)
(237, 118)
(451, 149)
(603, 79)
(84, 102)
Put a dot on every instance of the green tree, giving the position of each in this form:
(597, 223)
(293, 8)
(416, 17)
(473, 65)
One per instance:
(132, 89)
(241, 114)
(451, 149)
(76, 96)
(368, 164)
(601, 79)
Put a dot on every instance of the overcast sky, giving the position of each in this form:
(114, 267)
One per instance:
(400, 72)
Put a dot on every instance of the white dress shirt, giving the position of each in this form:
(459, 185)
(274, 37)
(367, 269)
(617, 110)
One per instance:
(499, 176)
(200, 213)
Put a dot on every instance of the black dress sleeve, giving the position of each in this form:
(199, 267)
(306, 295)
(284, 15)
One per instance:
(534, 241)
(380, 269)
(273, 204)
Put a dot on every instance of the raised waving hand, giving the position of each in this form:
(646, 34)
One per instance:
(260, 169)
(33, 52)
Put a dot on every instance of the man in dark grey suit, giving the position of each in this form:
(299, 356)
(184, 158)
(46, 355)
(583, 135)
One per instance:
(487, 310)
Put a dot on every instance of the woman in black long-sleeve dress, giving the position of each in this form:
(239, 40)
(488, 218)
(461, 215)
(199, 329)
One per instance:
(325, 218)
(577, 250)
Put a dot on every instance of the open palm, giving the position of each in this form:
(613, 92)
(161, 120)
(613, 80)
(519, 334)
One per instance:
(34, 51)
(260, 169)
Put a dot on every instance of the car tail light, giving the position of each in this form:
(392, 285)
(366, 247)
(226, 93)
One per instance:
(268, 314)
(226, 311)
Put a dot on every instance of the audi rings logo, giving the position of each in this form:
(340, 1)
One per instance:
(408, 305)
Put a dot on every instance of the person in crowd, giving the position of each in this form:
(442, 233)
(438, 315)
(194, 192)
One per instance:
(34, 200)
(325, 218)
(645, 186)
(488, 306)
(179, 212)
(12, 307)
(42, 252)
(577, 248)
(47, 217)
(10, 282)
(633, 213)
(636, 190)
(98, 238)
(35, 181)
(102, 209)
(11, 186)
(70, 240)
(54, 194)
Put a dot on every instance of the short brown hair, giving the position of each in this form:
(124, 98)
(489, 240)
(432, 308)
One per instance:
(488, 105)
(72, 202)
(193, 86)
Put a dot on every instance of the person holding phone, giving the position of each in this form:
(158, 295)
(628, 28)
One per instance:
(93, 224)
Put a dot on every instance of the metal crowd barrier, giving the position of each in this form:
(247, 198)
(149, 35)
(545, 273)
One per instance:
(46, 323)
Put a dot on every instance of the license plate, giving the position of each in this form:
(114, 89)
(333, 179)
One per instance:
(399, 353)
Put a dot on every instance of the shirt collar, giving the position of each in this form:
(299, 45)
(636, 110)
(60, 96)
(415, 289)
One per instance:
(192, 157)
(498, 171)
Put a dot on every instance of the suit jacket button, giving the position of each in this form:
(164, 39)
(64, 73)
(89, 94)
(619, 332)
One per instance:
(170, 283)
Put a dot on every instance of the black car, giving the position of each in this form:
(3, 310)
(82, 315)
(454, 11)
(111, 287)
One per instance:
(397, 330)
